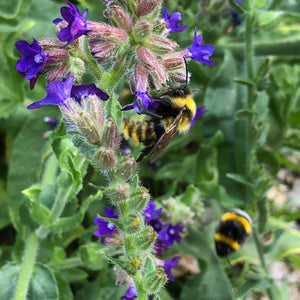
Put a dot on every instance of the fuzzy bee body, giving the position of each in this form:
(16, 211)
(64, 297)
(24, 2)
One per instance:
(232, 231)
(174, 113)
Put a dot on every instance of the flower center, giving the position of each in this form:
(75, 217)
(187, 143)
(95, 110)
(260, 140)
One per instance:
(172, 231)
(110, 226)
(39, 58)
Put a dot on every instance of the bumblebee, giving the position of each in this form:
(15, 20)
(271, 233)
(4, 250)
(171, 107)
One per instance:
(174, 113)
(232, 231)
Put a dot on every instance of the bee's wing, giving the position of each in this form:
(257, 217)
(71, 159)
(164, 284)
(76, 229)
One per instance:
(166, 138)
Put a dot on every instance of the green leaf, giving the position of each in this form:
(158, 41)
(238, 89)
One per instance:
(42, 284)
(75, 275)
(65, 292)
(269, 20)
(240, 178)
(25, 162)
(67, 223)
(251, 285)
(9, 274)
(149, 266)
(91, 256)
(113, 109)
(190, 195)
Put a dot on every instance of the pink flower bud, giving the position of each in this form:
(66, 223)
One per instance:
(58, 73)
(107, 32)
(50, 43)
(110, 136)
(106, 158)
(161, 44)
(121, 18)
(57, 56)
(156, 71)
(145, 7)
(142, 29)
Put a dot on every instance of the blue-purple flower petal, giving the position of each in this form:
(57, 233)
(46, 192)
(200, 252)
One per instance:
(173, 20)
(170, 233)
(131, 293)
(141, 101)
(77, 26)
(32, 60)
(85, 90)
(106, 228)
(199, 112)
(150, 213)
(200, 52)
(57, 93)
(170, 264)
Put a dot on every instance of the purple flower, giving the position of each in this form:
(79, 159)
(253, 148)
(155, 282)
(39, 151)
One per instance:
(173, 20)
(199, 112)
(141, 102)
(150, 213)
(77, 26)
(32, 60)
(131, 293)
(170, 233)
(170, 264)
(104, 226)
(59, 91)
(200, 52)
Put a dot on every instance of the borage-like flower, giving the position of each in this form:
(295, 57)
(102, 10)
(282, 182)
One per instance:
(199, 112)
(59, 91)
(150, 212)
(131, 293)
(173, 20)
(32, 60)
(170, 233)
(170, 264)
(106, 228)
(200, 52)
(76, 24)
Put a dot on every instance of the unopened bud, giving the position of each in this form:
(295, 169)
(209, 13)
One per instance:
(153, 66)
(57, 56)
(121, 18)
(161, 44)
(126, 167)
(146, 239)
(111, 241)
(145, 7)
(50, 44)
(118, 192)
(142, 29)
(101, 49)
(77, 68)
(132, 224)
(107, 32)
(154, 281)
(135, 264)
(106, 158)
(58, 73)
(138, 199)
(110, 136)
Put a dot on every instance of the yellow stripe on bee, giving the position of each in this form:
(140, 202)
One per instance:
(231, 216)
(188, 101)
(125, 127)
(229, 242)
(134, 135)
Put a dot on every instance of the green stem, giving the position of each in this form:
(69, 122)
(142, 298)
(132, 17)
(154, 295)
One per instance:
(60, 201)
(278, 48)
(139, 287)
(27, 267)
(262, 260)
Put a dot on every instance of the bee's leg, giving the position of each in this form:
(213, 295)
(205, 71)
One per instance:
(150, 113)
(144, 153)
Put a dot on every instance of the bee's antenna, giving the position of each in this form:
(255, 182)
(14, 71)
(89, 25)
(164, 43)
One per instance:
(229, 262)
(186, 73)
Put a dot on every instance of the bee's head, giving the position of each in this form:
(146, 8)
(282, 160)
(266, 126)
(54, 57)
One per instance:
(178, 92)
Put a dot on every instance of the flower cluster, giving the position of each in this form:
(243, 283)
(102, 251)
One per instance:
(152, 64)
(167, 234)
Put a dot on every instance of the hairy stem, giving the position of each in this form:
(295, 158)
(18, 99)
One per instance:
(27, 267)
